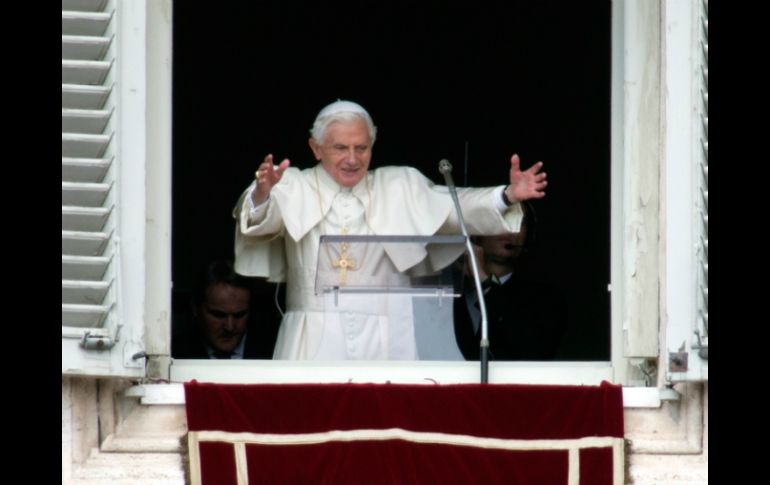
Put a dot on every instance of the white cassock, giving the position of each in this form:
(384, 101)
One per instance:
(282, 240)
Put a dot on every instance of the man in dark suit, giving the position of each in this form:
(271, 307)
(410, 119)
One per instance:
(526, 318)
(222, 324)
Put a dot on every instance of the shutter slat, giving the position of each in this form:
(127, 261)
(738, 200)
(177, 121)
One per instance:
(81, 243)
(84, 145)
(84, 72)
(83, 194)
(82, 47)
(84, 23)
(84, 292)
(84, 169)
(84, 5)
(83, 315)
(83, 218)
(89, 268)
(84, 121)
(77, 96)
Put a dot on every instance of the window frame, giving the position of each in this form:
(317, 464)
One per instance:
(635, 341)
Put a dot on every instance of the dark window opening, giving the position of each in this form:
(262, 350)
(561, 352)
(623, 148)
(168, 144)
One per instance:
(469, 80)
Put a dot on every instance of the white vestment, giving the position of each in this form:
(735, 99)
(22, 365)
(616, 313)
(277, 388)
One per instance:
(283, 245)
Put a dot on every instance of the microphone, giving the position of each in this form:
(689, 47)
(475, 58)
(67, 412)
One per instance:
(446, 170)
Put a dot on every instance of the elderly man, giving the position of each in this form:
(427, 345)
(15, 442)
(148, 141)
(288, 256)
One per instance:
(281, 216)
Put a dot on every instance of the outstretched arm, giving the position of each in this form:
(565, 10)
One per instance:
(527, 184)
(267, 176)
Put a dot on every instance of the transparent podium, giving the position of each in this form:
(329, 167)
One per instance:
(389, 297)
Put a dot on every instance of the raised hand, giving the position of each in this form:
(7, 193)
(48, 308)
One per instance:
(527, 184)
(267, 175)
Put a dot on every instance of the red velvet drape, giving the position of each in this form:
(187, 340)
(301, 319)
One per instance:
(443, 433)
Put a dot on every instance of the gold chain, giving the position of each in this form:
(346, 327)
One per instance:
(343, 262)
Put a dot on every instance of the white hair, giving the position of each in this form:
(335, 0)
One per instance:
(344, 112)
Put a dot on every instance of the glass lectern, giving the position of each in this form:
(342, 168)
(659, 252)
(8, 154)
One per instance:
(389, 297)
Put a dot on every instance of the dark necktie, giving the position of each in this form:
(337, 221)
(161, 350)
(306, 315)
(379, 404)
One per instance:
(488, 283)
(218, 354)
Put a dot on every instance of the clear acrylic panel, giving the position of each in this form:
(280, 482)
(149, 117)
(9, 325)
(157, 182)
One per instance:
(389, 297)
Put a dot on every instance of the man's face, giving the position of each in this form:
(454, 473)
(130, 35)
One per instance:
(503, 248)
(345, 151)
(223, 315)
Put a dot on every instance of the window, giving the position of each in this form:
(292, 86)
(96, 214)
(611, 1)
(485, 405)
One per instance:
(135, 166)
(482, 82)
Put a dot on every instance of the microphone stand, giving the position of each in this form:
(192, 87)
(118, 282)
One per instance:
(446, 170)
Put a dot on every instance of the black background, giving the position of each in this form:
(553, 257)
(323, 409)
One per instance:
(523, 77)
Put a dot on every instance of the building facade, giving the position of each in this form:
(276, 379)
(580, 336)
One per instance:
(122, 402)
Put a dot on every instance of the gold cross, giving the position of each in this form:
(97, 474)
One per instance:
(344, 263)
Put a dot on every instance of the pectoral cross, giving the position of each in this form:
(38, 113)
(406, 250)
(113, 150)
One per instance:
(344, 263)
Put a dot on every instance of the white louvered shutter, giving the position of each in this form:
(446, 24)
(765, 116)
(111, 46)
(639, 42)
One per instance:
(687, 194)
(92, 343)
(702, 328)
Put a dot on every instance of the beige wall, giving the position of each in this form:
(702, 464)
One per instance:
(146, 442)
